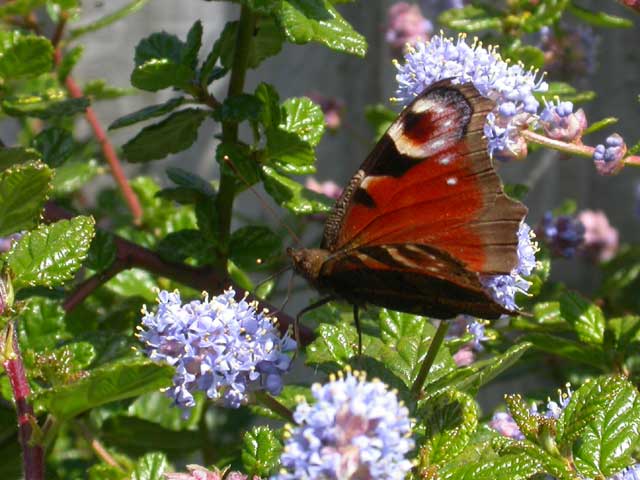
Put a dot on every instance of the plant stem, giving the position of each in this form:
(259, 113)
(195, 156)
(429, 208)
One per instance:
(32, 451)
(434, 347)
(274, 405)
(99, 449)
(227, 190)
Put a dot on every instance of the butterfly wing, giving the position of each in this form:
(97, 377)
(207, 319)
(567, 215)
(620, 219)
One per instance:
(408, 277)
(429, 181)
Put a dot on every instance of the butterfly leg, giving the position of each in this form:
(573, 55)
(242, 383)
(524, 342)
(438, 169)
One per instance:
(313, 306)
(356, 317)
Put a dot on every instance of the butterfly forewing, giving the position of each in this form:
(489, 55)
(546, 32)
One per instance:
(429, 181)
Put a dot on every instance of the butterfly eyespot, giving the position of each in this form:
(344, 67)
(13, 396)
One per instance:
(452, 181)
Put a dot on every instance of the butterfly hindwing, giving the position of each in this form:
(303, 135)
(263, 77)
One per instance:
(429, 181)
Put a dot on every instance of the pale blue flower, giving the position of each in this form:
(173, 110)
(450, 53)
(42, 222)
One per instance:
(355, 429)
(629, 473)
(563, 234)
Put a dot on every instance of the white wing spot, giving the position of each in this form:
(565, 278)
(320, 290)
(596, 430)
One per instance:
(446, 160)
(452, 181)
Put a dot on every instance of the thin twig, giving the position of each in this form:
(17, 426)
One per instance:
(434, 348)
(97, 446)
(274, 405)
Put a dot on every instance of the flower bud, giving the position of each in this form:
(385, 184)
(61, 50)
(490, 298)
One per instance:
(563, 234)
(560, 122)
(608, 158)
(600, 238)
(406, 25)
(332, 108)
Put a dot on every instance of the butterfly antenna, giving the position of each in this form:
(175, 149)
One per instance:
(289, 289)
(273, 275)
(263, 202)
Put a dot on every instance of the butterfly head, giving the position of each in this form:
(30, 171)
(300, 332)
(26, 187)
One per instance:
(308, 262)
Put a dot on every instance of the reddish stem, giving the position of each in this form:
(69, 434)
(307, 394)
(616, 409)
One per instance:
(107, 148)
(131, 255)
(32, 454)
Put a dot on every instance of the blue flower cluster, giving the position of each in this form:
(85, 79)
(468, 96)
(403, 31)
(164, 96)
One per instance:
(563, 234)
(217, 346)
(512, 87)
(505, 287)
(355, 429)
(629, 473)
(608, 158)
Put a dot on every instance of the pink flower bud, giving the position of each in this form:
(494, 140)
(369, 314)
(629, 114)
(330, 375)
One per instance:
(609, 158)
(328, 188)
(406, 25)
(600, 238)
(560, 122)
(333, 109)
(465, 356)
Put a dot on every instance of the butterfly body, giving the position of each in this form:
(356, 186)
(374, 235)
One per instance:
(423, 218)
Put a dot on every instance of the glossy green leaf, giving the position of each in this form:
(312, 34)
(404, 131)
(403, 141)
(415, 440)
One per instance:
(159, 73)
(601, 425)
(150, 467)
(305, 21)
(107, 20)
(570, 349)
(44, 107)
(239, 108)
(470, 18)
(51, 254)
(55, 144)
(598, 18)
(270, 113)
(293, 196)
(42, 324)
(266, 42)
(623, 334)
(24, 55)
(103, 385)
(447, 422)
(14, 155)
(521, 413)
(303, 118)
(585, 317)
(260, 451)
(175, 133)
(147, 113)
(289, 154)
(511, 466)
(253, 245)
(102, 252)
(23, 192)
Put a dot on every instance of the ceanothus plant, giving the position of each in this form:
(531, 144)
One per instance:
(138, 343)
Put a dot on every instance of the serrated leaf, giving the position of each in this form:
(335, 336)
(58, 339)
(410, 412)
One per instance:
(289, 154)
(585, 317)
(24, 55)
(303, 118)
(513, 466)
(159, 45)
(599, 19)
(147, 113)
(601, 425)
(252, 245)
(239, 108)
(623, 334)
(44, 107)
(470, 18)
(51, 254)
(42, 324)
(189, 55)
(448, 420)
(14, 155)
(55, 144)
(260, 451)
(23, 191)
(520, 412)
(175, 133)
(150, 467)
(305, 21)
(103, 385)
(270, 114)
(102, 252)
(293, 196)
(266, 42)
(159, 73)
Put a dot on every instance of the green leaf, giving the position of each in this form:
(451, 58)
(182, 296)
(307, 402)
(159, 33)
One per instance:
(305, 21)
(380, 118)
(69, 60)
(14, 155)
(159, 45)
(470, 18)
(304, 118)
(55, 144)
(239, 108)
(23, 191)
(530, 56)
(599, 19)
(74, 175)
(260, 451)
(150, 467)
(189, 56)
(98, 89)
(158, 408)
(24, 55)
(623, 334)
(270, 113)
(601, 425)
(107, 20)
(544, 13)
(20, 7)
(266, 42)
(293, 196)
(42, 324)
(112, 382)
(251, 245)
(175, 133)
(578, 352)
(51, 254)
(184, 178)
(102, 252)
(44, 107)
(521, 413)
(245, 167)
(511, 466)
(600, 124)
(585, 317)
(289, 154)
(159, 73)
(184, 244)
(448, 420)
(622, 278)
(147, 113)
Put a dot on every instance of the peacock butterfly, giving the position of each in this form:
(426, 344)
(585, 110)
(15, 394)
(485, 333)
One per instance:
(423, 218)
